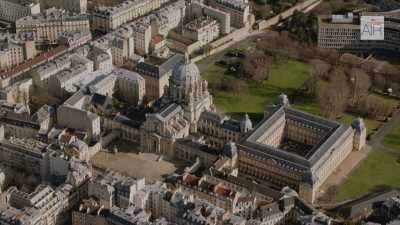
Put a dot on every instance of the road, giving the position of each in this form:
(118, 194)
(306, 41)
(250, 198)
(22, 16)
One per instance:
(376, 141)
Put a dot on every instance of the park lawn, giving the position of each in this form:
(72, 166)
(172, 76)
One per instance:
(392, 140)
(388, 100)
(284, 78)
(379, 169)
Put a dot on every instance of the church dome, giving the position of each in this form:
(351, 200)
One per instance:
(186, 71)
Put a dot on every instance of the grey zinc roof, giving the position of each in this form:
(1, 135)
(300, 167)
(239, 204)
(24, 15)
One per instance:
(169, 111)
(335, 131)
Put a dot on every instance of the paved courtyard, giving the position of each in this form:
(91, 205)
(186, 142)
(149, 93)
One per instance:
(130, 162)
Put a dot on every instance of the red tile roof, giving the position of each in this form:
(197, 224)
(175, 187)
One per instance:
(32, 62)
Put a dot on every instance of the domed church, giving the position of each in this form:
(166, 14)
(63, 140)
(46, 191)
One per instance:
(189, 90)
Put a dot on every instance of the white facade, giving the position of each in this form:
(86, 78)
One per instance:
(11, 10)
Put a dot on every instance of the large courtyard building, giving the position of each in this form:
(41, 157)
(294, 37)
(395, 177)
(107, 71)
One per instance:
(48, 26)
(294, 148)
(11, 10)
(342, 32)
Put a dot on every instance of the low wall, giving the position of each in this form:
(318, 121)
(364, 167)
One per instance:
(264, 24)
(224, 42)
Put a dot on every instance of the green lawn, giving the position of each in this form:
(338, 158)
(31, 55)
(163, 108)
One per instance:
(284, 78)
(392, 140)
(379, 169)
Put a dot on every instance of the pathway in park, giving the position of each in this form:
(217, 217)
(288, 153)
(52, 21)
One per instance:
(377, 139)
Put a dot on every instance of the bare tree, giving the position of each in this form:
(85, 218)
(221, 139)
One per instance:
(319, 68)
(379, 82)
(361, 83)
(254, 66)
(376, 108)
(238, 87)
(332, 97)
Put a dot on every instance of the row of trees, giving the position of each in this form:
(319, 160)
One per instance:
(303, 27)
(339, 89)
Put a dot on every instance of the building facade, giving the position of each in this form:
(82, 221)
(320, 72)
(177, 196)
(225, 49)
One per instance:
(48, 26)
(11, 10)
(76, 6)
(16, 49)
(202, 29)
(239, 10)
(296, 149)
(109, 18)
(342, 32)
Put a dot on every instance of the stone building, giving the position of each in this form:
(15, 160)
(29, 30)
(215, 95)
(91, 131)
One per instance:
(293, 148)
(129, 86)
(114, 190)
(76, 6)
(18, 125)
(15, 49)
(188, 89)
(47, 26)
(74, 39)
(198, 9)
(202, 29)
(11, 10)
(109, 18)
(342, 32)
(160, 130)
(156, 72)
(219, 130)
(24, 154)
(239, 10)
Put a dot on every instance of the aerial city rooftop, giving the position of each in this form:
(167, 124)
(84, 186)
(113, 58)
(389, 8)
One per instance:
(110, 114)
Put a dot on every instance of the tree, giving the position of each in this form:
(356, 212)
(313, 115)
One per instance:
(303, 26)
(360, 85)
(380, 82)
(332, 97)
(375, 108)
(320, 68)
(254, 66)
(238, 87)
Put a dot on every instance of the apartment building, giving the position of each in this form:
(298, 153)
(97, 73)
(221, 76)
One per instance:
(238, 9)
(15, 49)
(48, 26)
(109, 18)
(11, 10)
(342, 32)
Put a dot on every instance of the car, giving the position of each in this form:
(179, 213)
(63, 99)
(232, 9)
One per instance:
(221, 63)
(235, 53)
